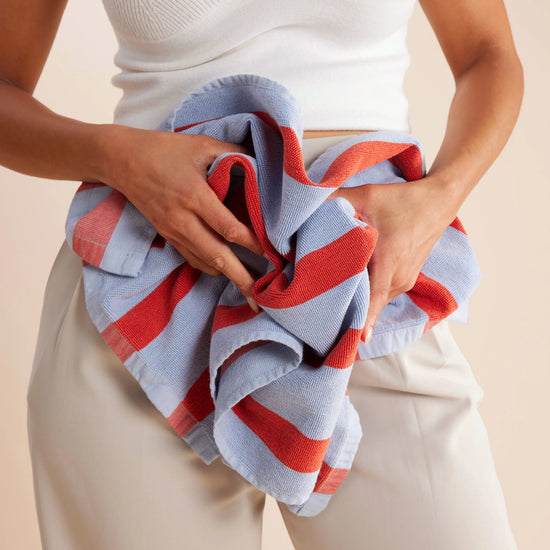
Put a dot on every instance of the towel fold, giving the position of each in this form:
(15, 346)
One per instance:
(267, 390)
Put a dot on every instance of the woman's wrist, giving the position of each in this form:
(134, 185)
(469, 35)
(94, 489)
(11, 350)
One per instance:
(109, 146)
(448, 190)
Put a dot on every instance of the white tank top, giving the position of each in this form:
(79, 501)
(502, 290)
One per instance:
(343, 60)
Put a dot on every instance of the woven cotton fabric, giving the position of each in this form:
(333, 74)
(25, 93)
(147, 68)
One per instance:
(266, 391)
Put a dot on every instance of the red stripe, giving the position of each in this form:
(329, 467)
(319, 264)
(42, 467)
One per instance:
(433, 298)
(117, 342)
(145, 321)
(93, 231)
(409, 161)
(187, 126)
(363, 155)
(284, 440)
(220, 179)
(457, 224)
(329, 479)
(344, 353)
(226, 316)
(183, 422)
(312, 275)
(356, 158)
(293, 161)
(196, 406)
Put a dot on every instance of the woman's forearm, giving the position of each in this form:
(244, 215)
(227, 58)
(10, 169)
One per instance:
(482, 115)
(38, 142)
(162, 173)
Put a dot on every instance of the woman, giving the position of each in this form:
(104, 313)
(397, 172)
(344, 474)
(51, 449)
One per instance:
(110, 473)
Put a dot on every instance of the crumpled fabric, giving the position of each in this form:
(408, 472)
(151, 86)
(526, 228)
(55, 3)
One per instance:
(265, 390)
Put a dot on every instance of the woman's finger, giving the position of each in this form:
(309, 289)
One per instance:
(194, 261)
(210, 249)
(380, 278)
(224, 222)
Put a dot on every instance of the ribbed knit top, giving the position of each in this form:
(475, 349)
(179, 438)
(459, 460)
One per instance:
(344, 60)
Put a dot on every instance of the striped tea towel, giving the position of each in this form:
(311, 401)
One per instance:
(267, 390)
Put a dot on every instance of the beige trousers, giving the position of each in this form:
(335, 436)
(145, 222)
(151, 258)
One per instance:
(111, 474)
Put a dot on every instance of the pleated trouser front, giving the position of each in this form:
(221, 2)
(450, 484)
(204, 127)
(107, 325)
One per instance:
(111, 474)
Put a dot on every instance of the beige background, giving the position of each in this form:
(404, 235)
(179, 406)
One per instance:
(507, 340)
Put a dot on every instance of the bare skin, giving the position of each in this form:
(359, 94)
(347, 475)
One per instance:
(164, 175)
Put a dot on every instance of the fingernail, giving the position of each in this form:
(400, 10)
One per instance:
(369, 334)
(253, 304)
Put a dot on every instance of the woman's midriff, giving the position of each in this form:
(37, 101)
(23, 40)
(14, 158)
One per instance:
(327, 133)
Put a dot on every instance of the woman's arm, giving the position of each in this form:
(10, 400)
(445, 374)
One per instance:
(162, 174)
(476, 39)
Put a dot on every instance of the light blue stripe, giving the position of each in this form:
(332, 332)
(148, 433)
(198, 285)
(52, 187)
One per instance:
(452, 263)
(129, 243)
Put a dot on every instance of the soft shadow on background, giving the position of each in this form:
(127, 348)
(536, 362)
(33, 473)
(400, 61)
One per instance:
(507, 340)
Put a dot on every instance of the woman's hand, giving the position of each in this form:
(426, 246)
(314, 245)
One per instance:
(164, 176)
(409, 217)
